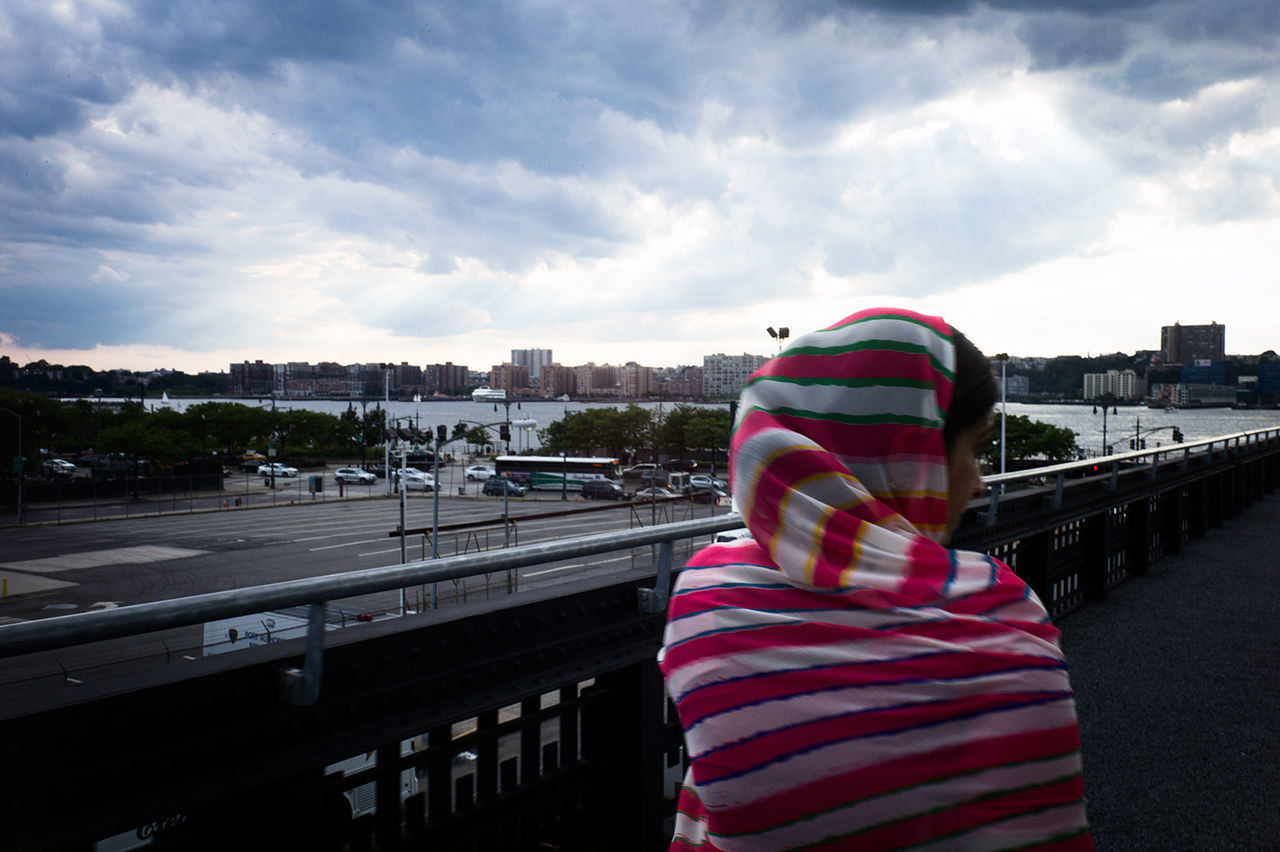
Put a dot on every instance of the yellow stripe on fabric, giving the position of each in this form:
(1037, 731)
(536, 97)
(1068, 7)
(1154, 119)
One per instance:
(811, 562)
(768, 462)
(828, 512)
(937, 495)
(855, 554)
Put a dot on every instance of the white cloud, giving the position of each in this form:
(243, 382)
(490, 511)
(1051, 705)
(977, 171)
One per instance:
(617, 184)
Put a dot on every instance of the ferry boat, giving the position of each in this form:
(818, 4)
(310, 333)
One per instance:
(487, 394)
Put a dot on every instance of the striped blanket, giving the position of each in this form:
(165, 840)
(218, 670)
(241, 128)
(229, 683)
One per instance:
(844, 680)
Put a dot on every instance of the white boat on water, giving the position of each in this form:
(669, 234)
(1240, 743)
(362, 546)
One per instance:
(487, 394)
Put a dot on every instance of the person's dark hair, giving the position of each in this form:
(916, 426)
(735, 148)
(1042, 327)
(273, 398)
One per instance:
(974, 393)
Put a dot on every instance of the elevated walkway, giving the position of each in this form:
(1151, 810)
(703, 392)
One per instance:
(1177, 678)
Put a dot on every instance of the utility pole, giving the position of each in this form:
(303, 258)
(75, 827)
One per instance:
(18, 462)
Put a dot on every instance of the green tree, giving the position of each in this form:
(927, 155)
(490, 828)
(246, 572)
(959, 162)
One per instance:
(1029, 439)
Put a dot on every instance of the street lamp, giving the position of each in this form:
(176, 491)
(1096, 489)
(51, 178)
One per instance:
(1003, 358)
(18, 461)
(779, 335)
(1106, 451)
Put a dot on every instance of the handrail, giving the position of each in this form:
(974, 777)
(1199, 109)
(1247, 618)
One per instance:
(65, 630)
(1069, 467)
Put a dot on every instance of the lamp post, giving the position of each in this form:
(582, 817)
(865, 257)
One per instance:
(1003, 358)
(1106, 451)
(386, 445)
(779, 335)
(18, 461)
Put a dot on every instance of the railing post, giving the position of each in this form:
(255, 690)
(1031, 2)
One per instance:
(628, 799)
(1094, 543)
(387, 775)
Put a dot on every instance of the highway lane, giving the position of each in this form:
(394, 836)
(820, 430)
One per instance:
(74, 568)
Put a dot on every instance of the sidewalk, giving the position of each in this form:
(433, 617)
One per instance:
(1178, 691)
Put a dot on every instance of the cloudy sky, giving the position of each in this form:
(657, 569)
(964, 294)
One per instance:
(186, 183)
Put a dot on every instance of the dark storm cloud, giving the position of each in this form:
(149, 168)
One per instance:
(506, 136)
(1059, 41)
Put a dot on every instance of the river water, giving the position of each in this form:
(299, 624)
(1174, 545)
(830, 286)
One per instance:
(1080, 419)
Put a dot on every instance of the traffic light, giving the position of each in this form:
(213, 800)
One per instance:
(1144, 444)
(1177, 435)
(1133, 444)
(504, 432)
(442, 434)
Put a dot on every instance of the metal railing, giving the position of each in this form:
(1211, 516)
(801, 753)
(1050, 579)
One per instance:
(63, 631)
(573, 744)
(66, 630)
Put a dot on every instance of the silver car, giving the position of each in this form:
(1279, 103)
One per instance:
(354, 476)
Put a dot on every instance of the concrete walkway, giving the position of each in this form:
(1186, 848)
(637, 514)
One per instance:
(1177, 680)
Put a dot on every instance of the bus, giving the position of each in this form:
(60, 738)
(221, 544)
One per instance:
(555, 472)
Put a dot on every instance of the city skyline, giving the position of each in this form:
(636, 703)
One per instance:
(488, 364)
(190, 185)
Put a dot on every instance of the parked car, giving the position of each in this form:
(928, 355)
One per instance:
(701, 480)
(604, 489)
(495, 486)
(59, 467)
(480, 471)
(276, 468)
(354, 476)
(417, 482)
(706, 495)
(653, 477)
(657, 492)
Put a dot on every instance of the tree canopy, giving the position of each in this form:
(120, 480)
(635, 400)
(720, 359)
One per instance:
(1029, 439)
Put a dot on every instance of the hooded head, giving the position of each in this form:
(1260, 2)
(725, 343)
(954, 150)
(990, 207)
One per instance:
(840, 452)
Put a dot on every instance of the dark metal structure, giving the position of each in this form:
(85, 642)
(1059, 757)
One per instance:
(541, 724)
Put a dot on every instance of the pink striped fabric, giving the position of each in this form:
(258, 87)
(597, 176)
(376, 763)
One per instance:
(844, 680)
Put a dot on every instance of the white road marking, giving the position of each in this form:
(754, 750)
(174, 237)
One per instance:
(25, 584)
(96, 558)
(576, 565)
(346, 544)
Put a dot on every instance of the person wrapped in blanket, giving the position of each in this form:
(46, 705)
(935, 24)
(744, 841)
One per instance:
(843, 678)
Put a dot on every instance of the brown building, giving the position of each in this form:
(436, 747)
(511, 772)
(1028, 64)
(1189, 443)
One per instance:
(557, 380)
(256, 379)
(1182, 344)
(448, 379)
(509, 377)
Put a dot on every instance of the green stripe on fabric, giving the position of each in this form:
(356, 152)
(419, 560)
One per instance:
(898, 317)
(835, 381)
(871, 345)
(853, 419)
(898, 790)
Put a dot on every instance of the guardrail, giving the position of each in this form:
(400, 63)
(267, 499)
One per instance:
(555, 695)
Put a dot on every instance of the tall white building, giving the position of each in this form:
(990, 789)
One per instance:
(724, 375)
(1121, 384)
(534, 359)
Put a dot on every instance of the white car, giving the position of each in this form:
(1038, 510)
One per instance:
(276, 468)
(480, 471)
(701, 480)
(417, 482)
(354, 476)
(408, 471)
(59, 467)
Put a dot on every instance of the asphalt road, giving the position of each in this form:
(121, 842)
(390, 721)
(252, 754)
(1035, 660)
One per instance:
(55, 570)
